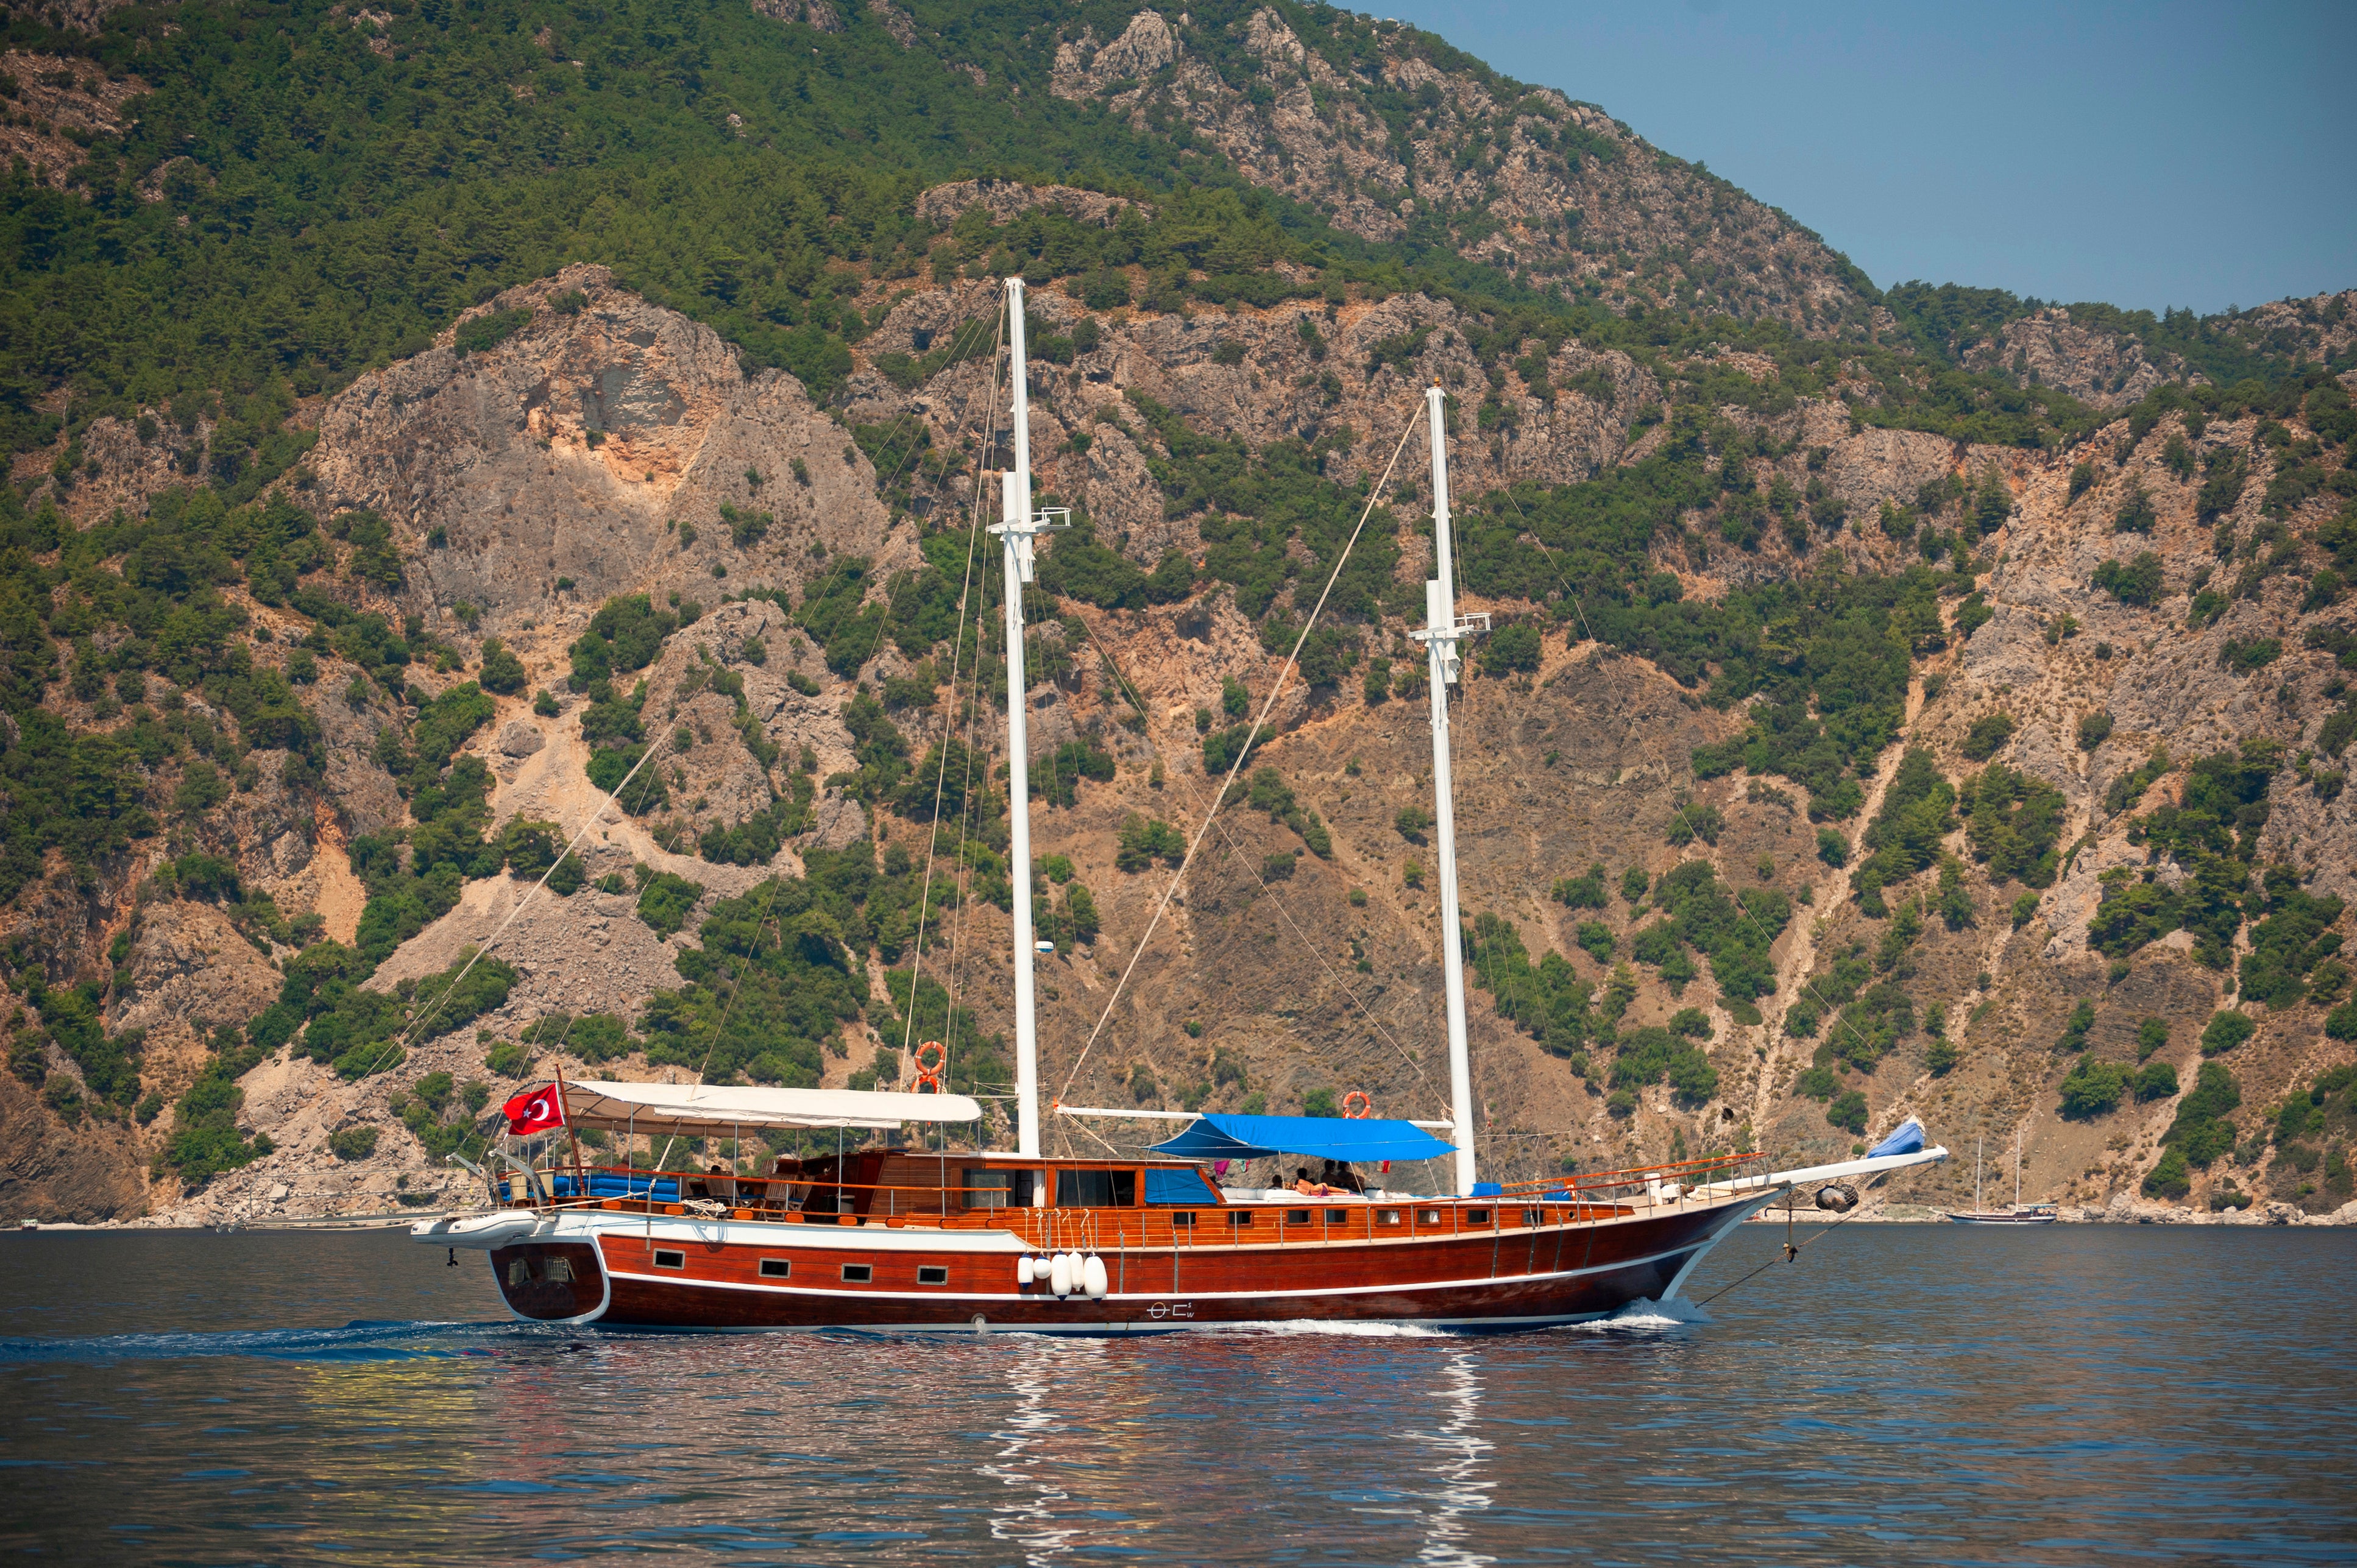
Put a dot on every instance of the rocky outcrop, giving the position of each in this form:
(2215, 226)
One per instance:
(2099, 367)
(191, 970)
(1004, 199)
(588, 454)
(53, 95)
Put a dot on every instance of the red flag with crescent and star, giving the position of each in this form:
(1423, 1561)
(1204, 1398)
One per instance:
(535, 1111)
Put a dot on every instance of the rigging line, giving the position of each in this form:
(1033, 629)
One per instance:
(967, 808)
(1228, 841)
(1793, 1253)
(827, 583)
(777, 884)
(411, 1036)
(1807, 983)
(1275, 691)
(941, 777)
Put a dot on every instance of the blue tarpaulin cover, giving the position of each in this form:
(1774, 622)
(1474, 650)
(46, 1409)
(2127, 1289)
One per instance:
(1178, 1186)
(1319, 1137)
(1908, 1140)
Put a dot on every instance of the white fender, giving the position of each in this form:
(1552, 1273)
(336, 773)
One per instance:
(1093, 1280)
(1059, 1276)
(1023, 1270)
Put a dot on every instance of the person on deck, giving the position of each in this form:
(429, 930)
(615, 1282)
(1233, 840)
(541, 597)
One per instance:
(1341, 1178)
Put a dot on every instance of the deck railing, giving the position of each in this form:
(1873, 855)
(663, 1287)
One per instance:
(814, 1197)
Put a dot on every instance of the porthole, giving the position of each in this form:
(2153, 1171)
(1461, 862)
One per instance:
(857, 1273)
(670, 1260)
(776, 1268)
(932, 1274)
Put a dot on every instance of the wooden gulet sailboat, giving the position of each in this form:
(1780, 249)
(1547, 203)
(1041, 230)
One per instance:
(2020, 1214)
(907, 1239)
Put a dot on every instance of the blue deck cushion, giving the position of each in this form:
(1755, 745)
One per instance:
(604, 1184)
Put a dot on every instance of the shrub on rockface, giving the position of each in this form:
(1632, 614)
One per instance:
(2094, 1087)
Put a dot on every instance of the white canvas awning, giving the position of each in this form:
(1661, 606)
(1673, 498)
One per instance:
(701, 1110)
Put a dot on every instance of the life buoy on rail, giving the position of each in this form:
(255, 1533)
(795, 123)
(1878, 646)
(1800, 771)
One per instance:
(1366, 1106)
(929, 1073)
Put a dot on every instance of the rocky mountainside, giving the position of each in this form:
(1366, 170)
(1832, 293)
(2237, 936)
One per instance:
(1927, 703)
(1394, 139)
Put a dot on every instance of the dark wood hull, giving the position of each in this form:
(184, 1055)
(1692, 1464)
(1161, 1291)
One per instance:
(679, 1274)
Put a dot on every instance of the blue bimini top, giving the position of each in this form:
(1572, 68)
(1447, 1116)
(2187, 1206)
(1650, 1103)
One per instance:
(1320, 1137)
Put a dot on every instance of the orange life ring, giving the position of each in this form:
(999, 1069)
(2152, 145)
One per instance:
(929, 1073)
(1366, 1106)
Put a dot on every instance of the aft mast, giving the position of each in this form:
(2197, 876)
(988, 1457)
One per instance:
(1440, 636)
(1018, 527)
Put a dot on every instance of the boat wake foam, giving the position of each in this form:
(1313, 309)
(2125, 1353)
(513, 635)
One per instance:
(361, 1340)
(1331, 1330)
(1644, 1315)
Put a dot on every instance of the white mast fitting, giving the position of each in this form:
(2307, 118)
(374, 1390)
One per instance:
(1440, 636)
(1018, 526)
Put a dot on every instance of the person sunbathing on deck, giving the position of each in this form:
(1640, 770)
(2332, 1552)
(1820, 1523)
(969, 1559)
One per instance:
(1308, 1188)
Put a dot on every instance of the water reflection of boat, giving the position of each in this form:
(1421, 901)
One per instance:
(2019, 1213)
(897, 1238)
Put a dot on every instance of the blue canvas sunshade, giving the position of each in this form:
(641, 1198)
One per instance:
(1319, 1137)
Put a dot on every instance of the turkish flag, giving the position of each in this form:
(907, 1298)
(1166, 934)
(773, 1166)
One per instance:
(535, 1111)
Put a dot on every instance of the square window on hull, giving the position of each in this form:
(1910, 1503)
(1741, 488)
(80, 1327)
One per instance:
(670, 1260)
(930, 1275)
(858, 1273)
(776, 1268)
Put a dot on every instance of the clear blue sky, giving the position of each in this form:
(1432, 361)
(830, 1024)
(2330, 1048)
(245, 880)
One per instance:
(2147, 155)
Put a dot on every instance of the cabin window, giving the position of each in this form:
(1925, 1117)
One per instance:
(999, 1189)
(857, 1273)
(776, 1268)
(1239, 1217)
(670, 1260)
(1183, 1221)
(1296, 1217)
(1428, 1217)
(1096, 1189)
(1337, 1217)
(932, 1274)
(1477, 1217)
(1387, 1216)
(1532, 1215)
(560, 1271)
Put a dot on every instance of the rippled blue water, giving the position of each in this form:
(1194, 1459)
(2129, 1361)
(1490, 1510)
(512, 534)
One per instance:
(1901, 1395)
